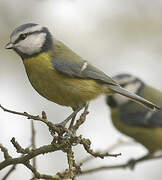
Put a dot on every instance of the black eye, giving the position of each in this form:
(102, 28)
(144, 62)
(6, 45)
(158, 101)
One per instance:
(22, 36)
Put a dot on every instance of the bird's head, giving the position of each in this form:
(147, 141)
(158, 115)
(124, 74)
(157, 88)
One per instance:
(130, 83)
(30, 39)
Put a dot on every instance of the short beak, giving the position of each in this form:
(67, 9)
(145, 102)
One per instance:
(9, 45)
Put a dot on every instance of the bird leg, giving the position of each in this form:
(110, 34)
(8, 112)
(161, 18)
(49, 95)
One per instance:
(72, 116)
(72, 122)
(132, 162)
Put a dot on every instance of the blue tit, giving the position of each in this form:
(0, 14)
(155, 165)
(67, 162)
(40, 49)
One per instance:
(59, 74)
(143, 125)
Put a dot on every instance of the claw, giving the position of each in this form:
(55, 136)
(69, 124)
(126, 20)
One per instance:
(52, 133)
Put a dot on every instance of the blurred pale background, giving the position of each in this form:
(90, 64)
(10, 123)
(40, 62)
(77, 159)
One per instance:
(117, 36)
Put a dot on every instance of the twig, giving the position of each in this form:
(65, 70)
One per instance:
(118, 144)
(86, 143)
(40, 176)
(51, 126)
(18, 147)
(119, 166)
(70, 157)
(9, 172)
(5, 152)
(31, 154)
(145, 159)
(101, 168)
(33, 145)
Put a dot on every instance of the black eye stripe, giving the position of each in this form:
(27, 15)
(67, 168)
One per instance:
(27, 34)
(20, 38)
(23, 36)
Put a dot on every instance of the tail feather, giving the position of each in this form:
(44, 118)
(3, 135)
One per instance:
(134, 97)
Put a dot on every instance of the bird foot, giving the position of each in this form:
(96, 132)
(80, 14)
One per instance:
(68, 135)
(62, 131)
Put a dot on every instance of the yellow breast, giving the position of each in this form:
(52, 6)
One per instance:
(58, 87)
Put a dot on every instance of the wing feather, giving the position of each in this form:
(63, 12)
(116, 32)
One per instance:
(73, 65)
(144, 118)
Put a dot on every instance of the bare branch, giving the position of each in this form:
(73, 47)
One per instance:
(33, 144)
(18, 147)
(5, 152)
(40, 176)
(101, 168)
(118, 144)
(51, 126)
(31, 154)
(13, 168)
(9, 172)
(70, 157)
(60, 143)
(119, 166)
(86, 143)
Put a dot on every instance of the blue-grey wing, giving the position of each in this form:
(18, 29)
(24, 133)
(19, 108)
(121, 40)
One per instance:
(144, 118)
(81, 69)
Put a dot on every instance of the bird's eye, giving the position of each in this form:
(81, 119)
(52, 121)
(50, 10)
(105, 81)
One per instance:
(22, 36)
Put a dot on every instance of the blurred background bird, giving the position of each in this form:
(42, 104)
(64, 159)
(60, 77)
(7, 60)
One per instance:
(143, 125)
(59, 74)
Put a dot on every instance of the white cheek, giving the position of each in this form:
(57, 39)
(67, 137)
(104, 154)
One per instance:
(133, 87)
(32, 44)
